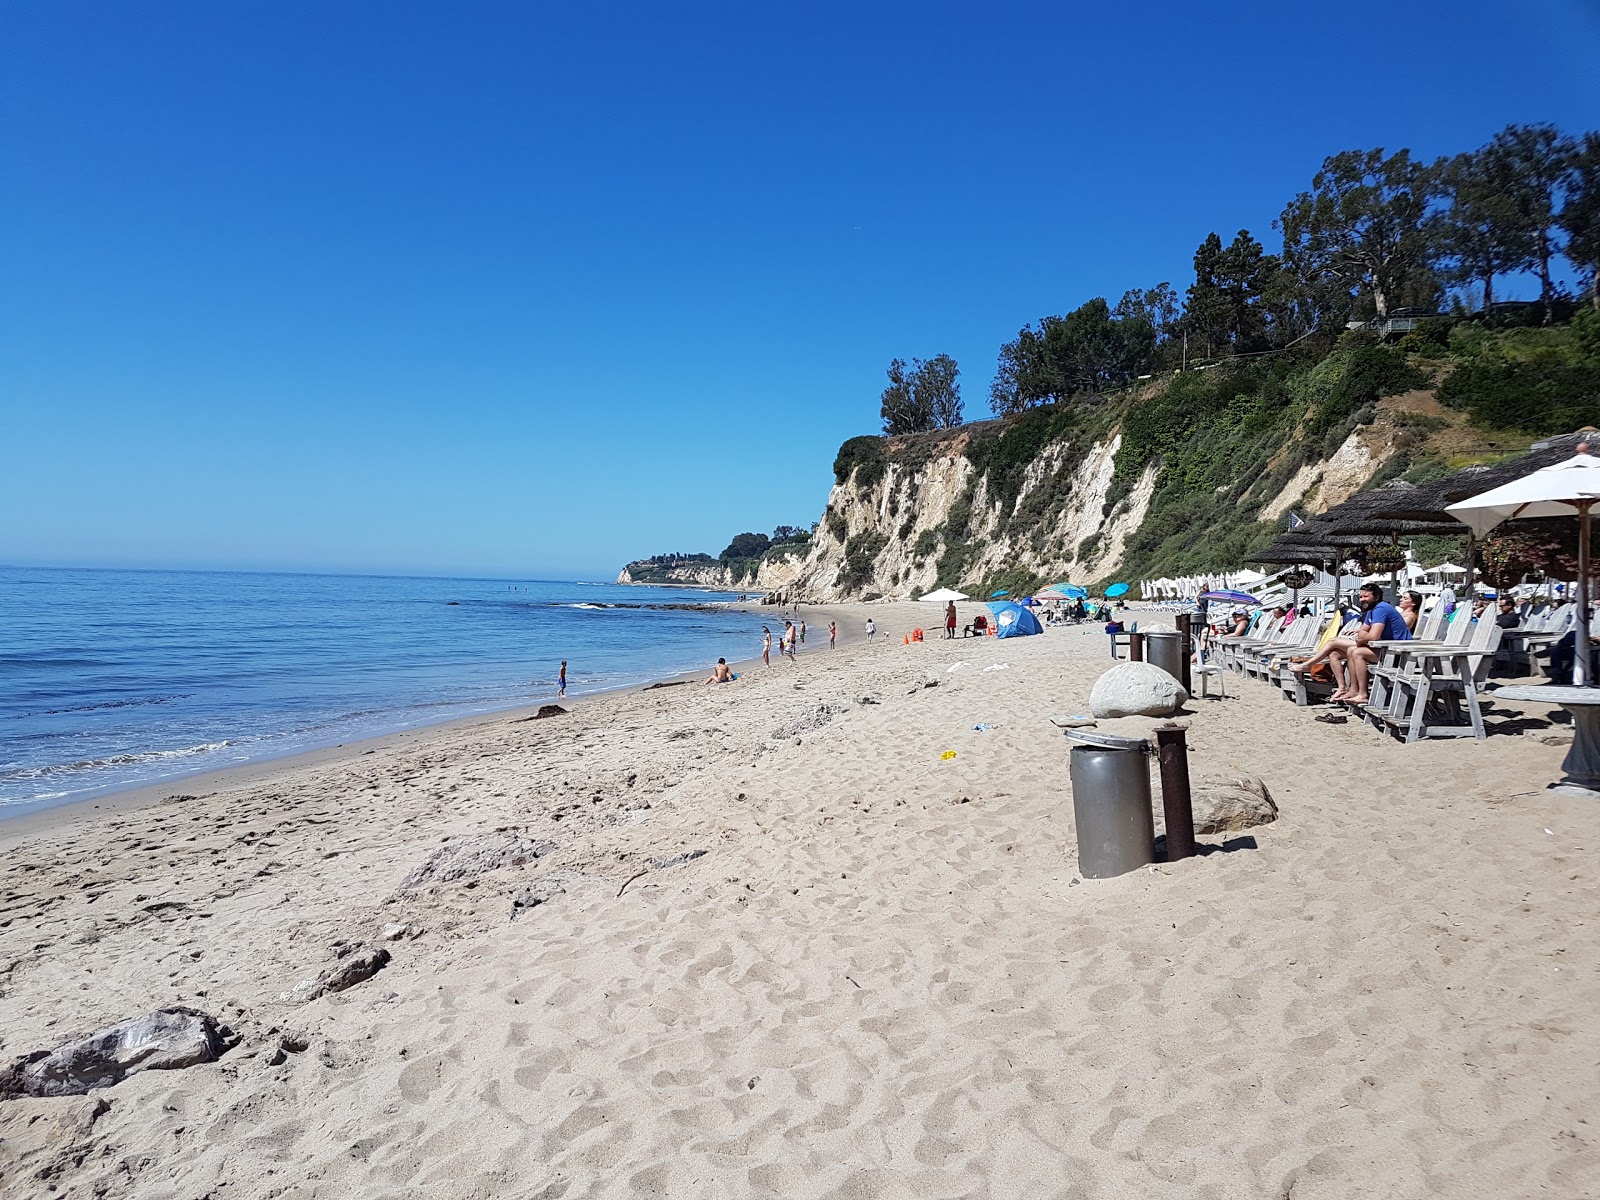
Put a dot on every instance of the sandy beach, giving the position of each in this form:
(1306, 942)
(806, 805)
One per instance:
(768, 941)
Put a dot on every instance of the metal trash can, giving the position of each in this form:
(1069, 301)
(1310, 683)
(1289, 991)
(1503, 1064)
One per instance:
(1111, 803)
(1164, 648)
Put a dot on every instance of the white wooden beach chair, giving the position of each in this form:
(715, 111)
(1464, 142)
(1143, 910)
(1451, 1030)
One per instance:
(1428, 703)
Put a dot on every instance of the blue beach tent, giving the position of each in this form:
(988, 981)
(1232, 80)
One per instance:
(1012, 620)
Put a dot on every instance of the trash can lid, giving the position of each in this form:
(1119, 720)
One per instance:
(1097, 740)
(1161, 633)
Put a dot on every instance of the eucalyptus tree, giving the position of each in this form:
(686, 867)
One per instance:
(1479, 234)
(1538, 159)
(1364, 224)
(1580, 213)
(923, 396)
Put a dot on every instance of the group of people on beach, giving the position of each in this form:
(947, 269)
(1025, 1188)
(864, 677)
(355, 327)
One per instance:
(793, 637)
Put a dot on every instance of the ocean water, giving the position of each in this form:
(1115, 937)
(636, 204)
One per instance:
(112, 679)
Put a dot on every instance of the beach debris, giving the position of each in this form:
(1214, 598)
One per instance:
(676, 860)
(998, 667)
(918, 686)
(1136, 689)
(1076, 721)
(529, 898)
(167, 1039)
(870, 698)
(957, 666)
(1332, 718)
(983, 727)
(393, 933)
(1228, 803)
(548, 710)
(947, 756)
(474, 856)
(661, 864)
(650, 687)
(353, 967)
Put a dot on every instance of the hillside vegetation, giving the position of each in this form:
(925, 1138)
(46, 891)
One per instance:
(1226, 444)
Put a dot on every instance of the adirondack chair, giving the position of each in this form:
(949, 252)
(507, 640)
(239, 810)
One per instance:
(1294, 684)
(1244, 650)
(1429, 702)
(1224, 644)
(1300, 638)
(1398, 659)
(1541, 631)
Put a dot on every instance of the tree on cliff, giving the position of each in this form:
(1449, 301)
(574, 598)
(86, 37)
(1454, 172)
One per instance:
(1225, 313)
(1089, 348)
(746, 545)
(1477, 236)
(1580, 215)
(923, 396)
(1539, 159)
(1364, 224)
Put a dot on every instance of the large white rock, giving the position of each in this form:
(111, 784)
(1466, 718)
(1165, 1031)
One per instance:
(1136, 689)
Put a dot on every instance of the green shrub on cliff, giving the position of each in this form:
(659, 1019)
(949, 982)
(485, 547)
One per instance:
(862, 457)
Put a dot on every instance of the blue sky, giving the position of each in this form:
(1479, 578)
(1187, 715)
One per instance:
(531, 289)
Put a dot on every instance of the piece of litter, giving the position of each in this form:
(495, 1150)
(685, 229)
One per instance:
(954, 667)
(983, 728)
(998, 667)
(1551, 834)
(948, 754)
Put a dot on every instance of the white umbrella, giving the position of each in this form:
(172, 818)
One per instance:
(943, 596)
(1448, 568)
(1559, 490)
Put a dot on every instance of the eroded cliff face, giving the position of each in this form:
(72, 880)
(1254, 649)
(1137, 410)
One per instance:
(930, 519)
(773, 574)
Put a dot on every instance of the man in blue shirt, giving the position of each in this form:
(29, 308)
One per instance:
(1380, 621)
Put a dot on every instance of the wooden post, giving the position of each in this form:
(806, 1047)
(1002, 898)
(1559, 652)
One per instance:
(1176, 803)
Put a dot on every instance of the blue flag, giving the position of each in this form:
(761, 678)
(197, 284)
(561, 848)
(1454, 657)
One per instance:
(1295, 522)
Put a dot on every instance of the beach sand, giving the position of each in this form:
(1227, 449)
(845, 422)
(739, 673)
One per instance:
(881, 978)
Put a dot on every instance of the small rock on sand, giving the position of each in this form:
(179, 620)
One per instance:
(1226, 803)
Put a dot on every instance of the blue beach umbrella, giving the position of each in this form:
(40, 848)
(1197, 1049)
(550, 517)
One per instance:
(1073, 592)
(1117, 589)
(1001, 592)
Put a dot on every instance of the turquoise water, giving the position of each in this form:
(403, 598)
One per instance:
(112, 679)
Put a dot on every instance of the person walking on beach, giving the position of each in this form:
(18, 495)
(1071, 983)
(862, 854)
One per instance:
(561, 679)
(833, 635)
(872, 629)
(950, 619)
(766, 645)
(802, 633)
(787, 644)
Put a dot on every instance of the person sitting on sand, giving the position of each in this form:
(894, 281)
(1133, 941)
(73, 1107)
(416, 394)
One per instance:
(722, 672)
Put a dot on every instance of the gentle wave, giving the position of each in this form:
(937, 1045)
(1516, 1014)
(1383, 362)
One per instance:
(116, 760)
(104, 704)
